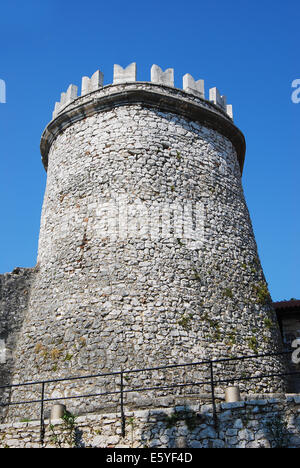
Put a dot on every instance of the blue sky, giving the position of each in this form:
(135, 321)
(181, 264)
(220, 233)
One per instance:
(249, 50)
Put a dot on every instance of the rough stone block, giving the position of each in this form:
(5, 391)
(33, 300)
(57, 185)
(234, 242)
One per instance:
(65, 99)
(238, 424)
(162, 77)
(72, 93)
(216, 98)
(218, 444)
(247, 435)
(256, 402)
(92, 84)
(225, 416)
(124, 75)
(208, 433)
(231, 432)
(206, 409)
(229, 110)
(56, 110)
(2, 352)
(192, 86)
(193, 444)
(233, 405)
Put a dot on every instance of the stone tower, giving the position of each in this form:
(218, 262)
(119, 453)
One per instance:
(147, 255)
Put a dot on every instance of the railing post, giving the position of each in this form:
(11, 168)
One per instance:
(42, 426)
(122, 404)
(213, 394)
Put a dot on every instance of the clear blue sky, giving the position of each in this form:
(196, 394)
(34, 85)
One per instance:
(249, 50)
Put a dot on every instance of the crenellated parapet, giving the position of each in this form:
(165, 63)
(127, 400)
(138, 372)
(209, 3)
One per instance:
(91, 84)
(192, 86)
(157, 76)
(65, 99)
(146, 255)
(221, 101)
(124, 75)
(162, 77)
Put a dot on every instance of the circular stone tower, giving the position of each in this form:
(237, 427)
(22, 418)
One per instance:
(146, 253)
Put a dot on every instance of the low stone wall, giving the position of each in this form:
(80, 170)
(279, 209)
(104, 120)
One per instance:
(254, 423)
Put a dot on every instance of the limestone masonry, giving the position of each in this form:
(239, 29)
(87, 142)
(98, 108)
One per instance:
(147, 255)
(254, 423)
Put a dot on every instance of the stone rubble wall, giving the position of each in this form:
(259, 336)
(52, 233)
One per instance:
(104, 301)
(14, 295)
(101, 302)
(255, 423)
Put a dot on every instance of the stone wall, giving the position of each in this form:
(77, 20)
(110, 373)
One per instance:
(112, 292)
(255, 423)
(14, 294)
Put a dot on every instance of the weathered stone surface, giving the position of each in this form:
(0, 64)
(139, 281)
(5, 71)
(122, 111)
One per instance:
(92, 84)
(192, 86)
(65, 99)
(268, 428)
(146, 253)
(162, 77)
(124, 75)
(216, 98)
(14, 295)
(229, 110)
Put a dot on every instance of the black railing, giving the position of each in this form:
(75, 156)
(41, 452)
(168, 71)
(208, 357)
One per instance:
(212, 382)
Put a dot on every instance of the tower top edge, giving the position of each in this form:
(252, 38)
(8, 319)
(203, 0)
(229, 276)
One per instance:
(128, 74)
(158, 96)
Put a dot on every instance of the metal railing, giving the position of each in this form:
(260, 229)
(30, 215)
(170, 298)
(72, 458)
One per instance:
(211, 381)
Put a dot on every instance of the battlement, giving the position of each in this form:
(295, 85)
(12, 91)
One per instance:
(146, 249)
(129, 75)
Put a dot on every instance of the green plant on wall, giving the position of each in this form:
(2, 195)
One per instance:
(55, 354)
(228, 293)
(278, 432)
(196, 275)
(66, 433)
(68, 357)
(268, 323)
(262, 293)
(215, 329)
(188, 416)
(253, 344)
(232, 338)
(185, 321)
